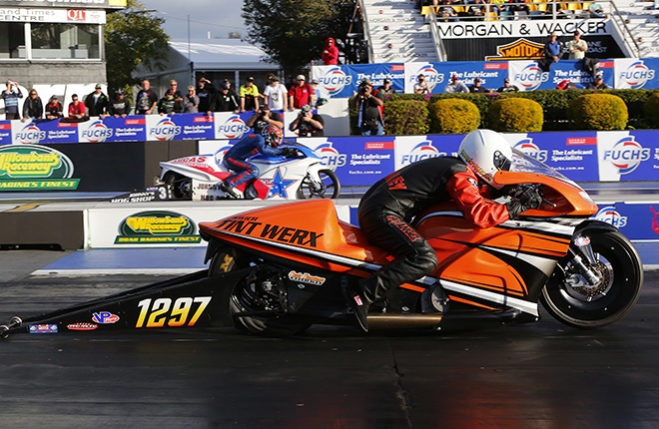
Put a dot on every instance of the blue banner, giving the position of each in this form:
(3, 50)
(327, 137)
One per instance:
(343, 81)
(635, 221)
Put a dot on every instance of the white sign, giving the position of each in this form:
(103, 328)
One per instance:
(522, 28)
(632, 73)
(72, 16)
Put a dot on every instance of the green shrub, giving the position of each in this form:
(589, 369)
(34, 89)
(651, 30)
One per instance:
(599, 112)
(651, 108)
(406, 117)
(514, 114)
(454, 116)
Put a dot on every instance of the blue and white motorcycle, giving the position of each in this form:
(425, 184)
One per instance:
(296, 176)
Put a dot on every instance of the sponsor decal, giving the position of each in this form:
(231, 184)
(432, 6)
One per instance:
(161, 312)
(105, 318)
(433, 77)
(521, 49)
(30, 134)
(164, 130)
(531, 77)
(155, 227)
(45, 328)
(232, 128)
(529, 148)
(610, 215)
(278, 185)
(28, 167)
(96, 132)
(82, 326)
(334, 80)
(330, 156)
(636, 75)
(655, 222)
(306, 278)
(626, 155)
(273, 232)
(423, 150)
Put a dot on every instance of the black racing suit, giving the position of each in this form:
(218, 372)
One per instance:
(392, 202)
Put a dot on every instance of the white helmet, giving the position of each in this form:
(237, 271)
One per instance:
(486, 152)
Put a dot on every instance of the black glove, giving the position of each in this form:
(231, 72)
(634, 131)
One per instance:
(289, 152)
(526, 199)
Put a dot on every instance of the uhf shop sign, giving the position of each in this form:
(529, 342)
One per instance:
(29, 168)
(157, 227)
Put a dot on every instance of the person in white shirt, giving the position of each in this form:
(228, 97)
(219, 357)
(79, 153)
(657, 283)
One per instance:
(456, 86)
(421, 86)
(577, 47)
(276, 95)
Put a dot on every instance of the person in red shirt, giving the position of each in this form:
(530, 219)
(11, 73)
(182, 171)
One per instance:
(300, 94)
(77, 111)
(330, 55)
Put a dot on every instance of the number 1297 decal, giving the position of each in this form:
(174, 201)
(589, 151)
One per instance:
(157, 312)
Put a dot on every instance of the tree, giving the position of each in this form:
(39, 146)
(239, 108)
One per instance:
(132, 36)
(293, 32)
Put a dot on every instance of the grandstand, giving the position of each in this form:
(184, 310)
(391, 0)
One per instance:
(406, 30)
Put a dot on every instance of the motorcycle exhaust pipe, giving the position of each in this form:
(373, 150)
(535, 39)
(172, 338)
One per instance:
(403, 321)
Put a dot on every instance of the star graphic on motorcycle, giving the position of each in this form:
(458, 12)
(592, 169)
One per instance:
(278, 185)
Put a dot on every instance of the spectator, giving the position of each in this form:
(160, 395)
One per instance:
(552, 53)
(456, 86)
(226, 100)
(331, 53)
(264, 117)
(249, 96)
(54, 109)
(321, 94)
(307, 123)
(77, 111)
(385, 90)
(168, 104)
(11, 100)
(191, 101)
(146, 100)
(521, 7)
(227, 82)
(577, 47)
(32, 108)
(370, 119)
(598, 83)
(120, 105)
(97, 103)
(421, 86)
(477, 87)
(173, 86)
(300, 94)
(276, 95)
(447, 13)
(507, 87)
(207, 96)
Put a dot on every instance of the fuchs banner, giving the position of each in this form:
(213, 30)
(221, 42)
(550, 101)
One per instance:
(343, 81)
(190, 126)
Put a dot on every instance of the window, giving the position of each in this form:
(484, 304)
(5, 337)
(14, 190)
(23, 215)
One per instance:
(12, 40)
(65, 41)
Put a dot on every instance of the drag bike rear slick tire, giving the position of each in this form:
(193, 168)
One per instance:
(226, 260)
(336, 186)
(174, 182)
(620, 298)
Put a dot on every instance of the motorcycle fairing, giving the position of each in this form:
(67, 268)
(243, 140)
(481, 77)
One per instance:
(501, 265)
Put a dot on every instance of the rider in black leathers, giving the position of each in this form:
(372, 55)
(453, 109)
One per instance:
(390, 204)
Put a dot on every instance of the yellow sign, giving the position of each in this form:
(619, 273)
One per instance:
(157, 225)
(521, 49)
(28, 164)
(118, 3)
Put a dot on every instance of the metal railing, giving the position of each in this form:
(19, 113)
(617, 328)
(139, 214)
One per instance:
(367, 31)
(440, 50)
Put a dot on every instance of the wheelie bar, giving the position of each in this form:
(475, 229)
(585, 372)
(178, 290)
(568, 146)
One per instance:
(188, 301)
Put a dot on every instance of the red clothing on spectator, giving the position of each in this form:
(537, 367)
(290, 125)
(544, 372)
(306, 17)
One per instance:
(301, 95)
(331, 56)
(76, 110)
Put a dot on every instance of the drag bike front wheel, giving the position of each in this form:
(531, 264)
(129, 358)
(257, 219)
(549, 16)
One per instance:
(573, 300)
(329, 186)
(259, 292)
(179, 186)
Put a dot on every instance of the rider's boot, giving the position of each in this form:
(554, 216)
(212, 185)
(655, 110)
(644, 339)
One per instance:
(228, 189)
(360, 296)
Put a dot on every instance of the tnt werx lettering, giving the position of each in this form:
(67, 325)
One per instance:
(272, 232)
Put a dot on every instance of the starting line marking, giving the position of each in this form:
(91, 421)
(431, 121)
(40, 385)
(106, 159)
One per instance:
(115, 271)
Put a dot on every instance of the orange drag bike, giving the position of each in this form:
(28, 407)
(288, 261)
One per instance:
(293, 261)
